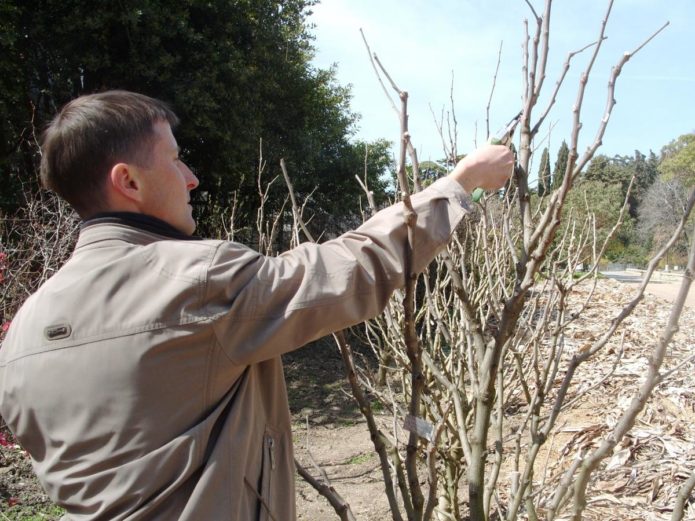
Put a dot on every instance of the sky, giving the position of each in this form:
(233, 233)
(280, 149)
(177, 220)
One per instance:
(439, 49)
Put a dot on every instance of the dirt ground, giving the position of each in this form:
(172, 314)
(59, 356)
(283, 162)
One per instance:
(329, 428)
(638, 483)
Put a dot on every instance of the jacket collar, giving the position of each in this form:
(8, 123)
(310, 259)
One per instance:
(138, 220)
(128, 226)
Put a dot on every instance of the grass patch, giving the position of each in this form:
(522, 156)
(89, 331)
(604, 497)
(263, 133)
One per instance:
(25, 513)
(376, 406)
(359, 459)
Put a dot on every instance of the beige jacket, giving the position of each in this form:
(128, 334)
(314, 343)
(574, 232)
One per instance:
(144, 378)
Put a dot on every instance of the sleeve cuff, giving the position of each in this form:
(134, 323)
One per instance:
(453, 191)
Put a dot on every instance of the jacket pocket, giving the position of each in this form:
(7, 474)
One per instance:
(267, 510)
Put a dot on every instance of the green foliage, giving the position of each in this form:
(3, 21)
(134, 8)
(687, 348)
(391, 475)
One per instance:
(599, 198)
(32, 513)
(358, 459)
(631, 252)
(621, 170)
(597, 203)
(430, 171)
(606, 170)
(655, 203)
(235, 72)
(15, 115)
(678, 160)
(560, 165)
(334, 206)
(376, 406)
(544, 176)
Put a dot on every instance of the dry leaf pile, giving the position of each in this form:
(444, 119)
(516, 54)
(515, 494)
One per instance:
(638, 482)
(641, 479)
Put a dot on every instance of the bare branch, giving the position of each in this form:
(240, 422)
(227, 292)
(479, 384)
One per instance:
(610, 103)
(381, 444)
(324, 487)
(372, 58)
(296, 211)
(492, 91)
(341, 507)
(535, 14)
(683, 495)
(558, 84)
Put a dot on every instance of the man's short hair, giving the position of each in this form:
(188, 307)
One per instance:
(90, 135)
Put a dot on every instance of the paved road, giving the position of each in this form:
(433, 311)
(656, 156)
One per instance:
(664, 285)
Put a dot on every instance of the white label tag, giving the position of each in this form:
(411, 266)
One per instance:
(418, 426)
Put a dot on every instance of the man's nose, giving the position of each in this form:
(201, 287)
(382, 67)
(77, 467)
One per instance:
(192, 179)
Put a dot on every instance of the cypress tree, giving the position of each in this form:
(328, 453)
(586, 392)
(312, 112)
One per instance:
(560, 165)
(544, 177)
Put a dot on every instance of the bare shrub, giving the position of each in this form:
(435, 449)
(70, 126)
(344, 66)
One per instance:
(34, 243)
(480, 369)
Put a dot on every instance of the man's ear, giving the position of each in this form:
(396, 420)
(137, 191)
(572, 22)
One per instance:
(126, 182)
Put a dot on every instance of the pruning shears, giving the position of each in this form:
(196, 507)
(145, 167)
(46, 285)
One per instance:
(503, 137)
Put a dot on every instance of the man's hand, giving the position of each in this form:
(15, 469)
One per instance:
(488, 167)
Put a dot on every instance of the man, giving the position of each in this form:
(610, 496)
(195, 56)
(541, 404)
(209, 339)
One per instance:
(144, 378)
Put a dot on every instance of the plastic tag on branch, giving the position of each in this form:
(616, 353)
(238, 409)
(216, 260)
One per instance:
(418, 426)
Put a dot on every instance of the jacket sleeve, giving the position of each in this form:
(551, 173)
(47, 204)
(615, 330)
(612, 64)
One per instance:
(265, 306)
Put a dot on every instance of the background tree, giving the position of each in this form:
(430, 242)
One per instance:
(560, 165)
(235, 72)
(645, 171)
(544, 177)
(597, 205)
(430, 171)
(12, 109)
(659, 214)
(678, 159)
(621, 170)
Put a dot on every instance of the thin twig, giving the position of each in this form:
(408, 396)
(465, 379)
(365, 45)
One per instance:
(492, 91)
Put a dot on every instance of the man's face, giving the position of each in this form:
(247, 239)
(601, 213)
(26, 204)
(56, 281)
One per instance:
(167, 182)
